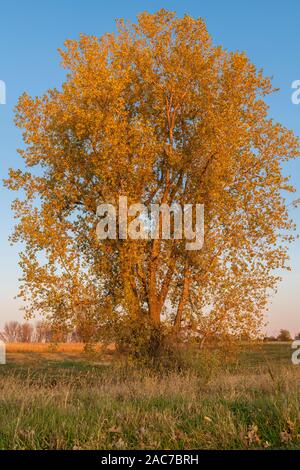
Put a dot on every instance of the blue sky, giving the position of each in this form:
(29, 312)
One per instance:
(30, 33)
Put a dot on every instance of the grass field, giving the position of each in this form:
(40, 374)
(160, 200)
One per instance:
(65, 399)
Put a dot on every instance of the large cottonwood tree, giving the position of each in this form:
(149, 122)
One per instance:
(156, 113)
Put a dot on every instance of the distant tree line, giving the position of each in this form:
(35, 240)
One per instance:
(284, 335)
(40, 332)
(44, 332)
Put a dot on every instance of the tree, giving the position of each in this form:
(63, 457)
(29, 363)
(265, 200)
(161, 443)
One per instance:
(159, 114)
(15, 332)
(25, 333)
(42, 332)
(284, 335)
(269, 339)
(11, 332)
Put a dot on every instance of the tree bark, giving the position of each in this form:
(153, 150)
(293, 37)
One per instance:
(183, 299)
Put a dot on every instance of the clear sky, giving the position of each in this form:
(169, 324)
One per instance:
(32, 30)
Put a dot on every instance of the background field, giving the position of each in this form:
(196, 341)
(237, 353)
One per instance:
(62, 398)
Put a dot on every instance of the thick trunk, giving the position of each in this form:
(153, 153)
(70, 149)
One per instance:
(155, 312)
(156, 299)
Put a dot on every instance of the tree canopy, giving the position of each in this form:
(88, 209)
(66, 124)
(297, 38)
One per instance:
(157, 113)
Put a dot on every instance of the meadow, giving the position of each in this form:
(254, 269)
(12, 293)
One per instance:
(63, 398)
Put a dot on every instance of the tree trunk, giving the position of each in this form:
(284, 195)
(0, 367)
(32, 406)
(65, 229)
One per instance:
(183, 299)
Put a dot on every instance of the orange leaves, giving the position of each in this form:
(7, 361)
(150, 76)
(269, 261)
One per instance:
(154, 112)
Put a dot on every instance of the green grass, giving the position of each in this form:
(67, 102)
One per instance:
(252, 402)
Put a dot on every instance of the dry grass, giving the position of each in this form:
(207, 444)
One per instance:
(44, 347)
(77, 348)
(33, 354)
(70, 404)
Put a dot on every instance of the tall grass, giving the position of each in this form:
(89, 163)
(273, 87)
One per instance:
(83, 406)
